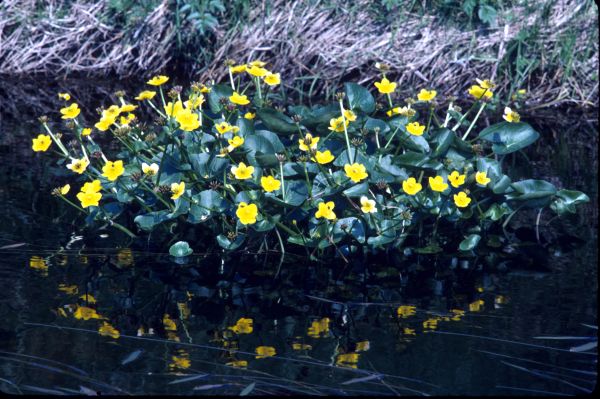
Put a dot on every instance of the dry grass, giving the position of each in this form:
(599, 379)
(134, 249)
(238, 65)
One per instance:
(323, 41)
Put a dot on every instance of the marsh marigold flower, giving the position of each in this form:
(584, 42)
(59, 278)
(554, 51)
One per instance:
(92, 187)
(237, 68)
(337, 124)
(456, 179)
(127, 108)
(112, 170)
(356, 172)
(173, 109)
(323, 157)
(64, 96)
(149, 170)
(415, 128)
(177, 189)
(158, 80)
(308, 142)
(426, 95)
(481, 178)
(145, 95)
(269, 183)
(64, 190)
(78, 165)
(240, 99)
(461, 199)
(89, 198)
(243, 326)
(194, 102)
(437, 183)
(70, 112)
(385, 86)
(256, 70)
(511, 116)
(249, 115)
(242, 171)
(235, 142)
(349, 115)
(188, 120)
(86, 131)
(272, 79)
(223, 127)
(325, 210)
(367, 205)
(478, 92)
(411, 186)
(247, 213)
(41, 143)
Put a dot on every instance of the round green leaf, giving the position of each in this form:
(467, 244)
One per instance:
(180, 249)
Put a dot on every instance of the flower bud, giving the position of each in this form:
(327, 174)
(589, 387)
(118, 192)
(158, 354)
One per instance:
(43, 119)
(70, 124)
(297, 118)
(340, 95)
(280, 157)
(119, 93)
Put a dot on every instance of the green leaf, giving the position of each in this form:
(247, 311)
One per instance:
(371, 124)
(487, 14)
(531, 189)
(387, 234)
(296, 192)
(359, 98)
(358, 157)
(180, 249)
(386, 165)
(216, 93)
(509, 137)
(208, 165)
(276, 121)
(496, 211)
(228, 244)
(205, 202)
(470, 242)
(148, 221)
(443, 138)
(566, 200)
(432, 248)
(353, 227)
(357, 190)
(501, 185)
(418, 160)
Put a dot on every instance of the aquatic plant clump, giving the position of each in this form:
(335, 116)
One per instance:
(365, 172)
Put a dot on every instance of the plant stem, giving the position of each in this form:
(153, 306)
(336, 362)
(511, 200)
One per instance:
(474, 120)
(350, 156)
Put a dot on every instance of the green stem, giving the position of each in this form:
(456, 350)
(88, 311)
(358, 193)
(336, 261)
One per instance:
(474, 120)
(350, 156)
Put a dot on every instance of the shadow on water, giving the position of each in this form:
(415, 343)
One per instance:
(217, 324)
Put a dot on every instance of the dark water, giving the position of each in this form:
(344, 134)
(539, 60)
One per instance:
(462, 330)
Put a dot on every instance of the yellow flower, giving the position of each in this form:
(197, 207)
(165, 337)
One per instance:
(238, 68)
(272, 79)
(150, 170)
(168, 323)
(269, 183)
(223, 127)
(476, 305)
(173, 109)
(461, 200)
(188, 120)
(68, 289)
(126, 120)
(481, 178)
(265, 351)
(511, 116)
(177, 189)
(112, 170)
(385, 86)
(456, 179)
(478, 92)
(85, 313)
(404, 111)
(318, 328)
(70, 112)
(410, 186)
(111, 112)
(64, 96)
(249, 115)
(326, 210)
(194, 102)
(127, 108)
(235, 142)
(367, 205)
(257, 63)
(337, 124)
(242, 171)
(430, 324)
(426, 95)
(363, 346)
(415, 128)
(239, 99)
(78, 165)
(347, 359)
(486, 84)
(180, 362)
(309, 142)
(86, 131)
(64, 190)
(323, 157)
(158, 80)
(108, 330)
(146, 95)
(41, 143)
(405, 311)
(92, 187)
(38, 263)
(409, 331)
(243, 326)
(349, 115)
(105, 122)
(356, 172)
(437, 183)
(256, 70)
(247, 213)
(89, 198)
